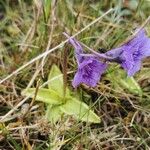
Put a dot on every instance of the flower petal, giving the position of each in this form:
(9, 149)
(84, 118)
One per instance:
(77, 78)
(89, 72)
(135, 68)
(139, 37)
(146, 48)
(85, 62)
(126, 60)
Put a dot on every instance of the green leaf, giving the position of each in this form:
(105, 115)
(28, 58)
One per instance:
(47, 8)
(131, 84)
(55, 79)
(44, 95)
(80, 110)
(53, 113)
(120, 80)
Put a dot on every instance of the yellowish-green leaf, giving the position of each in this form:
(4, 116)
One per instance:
(53, 113)
(131, 84)
(44, 95)
(120, 80)
(79, 110)
(55, 79)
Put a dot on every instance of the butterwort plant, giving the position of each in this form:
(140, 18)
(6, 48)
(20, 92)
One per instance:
(58, 108)
(129, 56)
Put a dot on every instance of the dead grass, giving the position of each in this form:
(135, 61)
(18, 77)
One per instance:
(27, 32)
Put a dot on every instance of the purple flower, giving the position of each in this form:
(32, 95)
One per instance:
(90, 68)
(131, 53)
(89, 72)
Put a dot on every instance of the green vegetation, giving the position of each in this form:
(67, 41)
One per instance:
(118, 106)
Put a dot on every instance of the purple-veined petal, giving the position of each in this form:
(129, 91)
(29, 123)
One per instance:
(146, 48)
(90, 73)
(135, 68)
(77, 78)
(138, 38)
(85, 62)
(126, 60)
